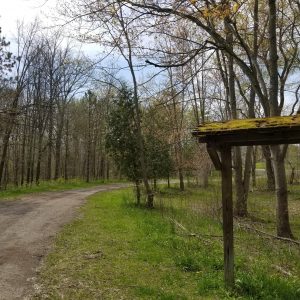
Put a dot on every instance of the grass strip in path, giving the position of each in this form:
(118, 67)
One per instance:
(13, 192)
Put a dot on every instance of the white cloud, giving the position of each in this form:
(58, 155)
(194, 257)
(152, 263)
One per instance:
(23, 10)
(12, 11)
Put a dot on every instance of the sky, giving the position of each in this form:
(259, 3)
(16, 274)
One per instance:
(23, 10)
(12, 11)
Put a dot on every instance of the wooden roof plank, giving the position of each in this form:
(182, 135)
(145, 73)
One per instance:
(246, 124)
(266, 131)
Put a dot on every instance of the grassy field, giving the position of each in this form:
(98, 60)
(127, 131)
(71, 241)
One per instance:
(116, 250)
(13, 192)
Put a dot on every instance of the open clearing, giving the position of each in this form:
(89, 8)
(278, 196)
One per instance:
(27, 227)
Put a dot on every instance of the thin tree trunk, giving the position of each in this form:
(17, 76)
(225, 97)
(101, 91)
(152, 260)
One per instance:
(181, 180)
(39, 158)
(240, 183)
(58, 146)
(4, 151)
(107, 170)
(278, 156)
(29, 155)
(269, 168)
(253, 168)
(50, 142)
(242, 189)
(128, 58)
(66, 175)
(8, 132)
(16, 161)
(282, 211)
(23, 151)
(88, 163)
(138, 192)
(241, 204)
(33, 160)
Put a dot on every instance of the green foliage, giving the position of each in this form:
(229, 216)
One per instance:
(160, 164)
(7, 60)
(121, 140)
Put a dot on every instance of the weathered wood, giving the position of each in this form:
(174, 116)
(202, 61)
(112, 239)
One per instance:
(227, 207)
(250, 137)
(214, 156)
(272, 123)
(245, 132)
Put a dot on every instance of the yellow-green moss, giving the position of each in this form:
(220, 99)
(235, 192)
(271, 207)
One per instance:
(287, 121)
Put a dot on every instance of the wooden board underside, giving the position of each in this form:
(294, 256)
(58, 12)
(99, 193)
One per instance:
(268, 136)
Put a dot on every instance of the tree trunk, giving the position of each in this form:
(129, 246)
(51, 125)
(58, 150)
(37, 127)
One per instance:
(204, 173)
(88, 162)
(181, 180)
(282, 212)
(23, 151)
(4, 151)
(154, 184)
(242, 181)
(269, 168)
(50, 142)
(66, 174)
(8, 131)
(107, 169)
(33, 161)
(89, 142)
(129, 59)
(39, 158)
(58, 151)
(138, 192)
(253, 169)
(29, 155)
(16, 161)
(102, 167)
(283, 225)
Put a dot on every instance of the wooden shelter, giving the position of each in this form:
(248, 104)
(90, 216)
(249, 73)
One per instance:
(219, 138)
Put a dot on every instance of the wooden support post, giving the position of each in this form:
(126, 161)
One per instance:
(227, 215)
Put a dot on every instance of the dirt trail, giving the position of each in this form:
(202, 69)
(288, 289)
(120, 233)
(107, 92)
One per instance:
(27, 228)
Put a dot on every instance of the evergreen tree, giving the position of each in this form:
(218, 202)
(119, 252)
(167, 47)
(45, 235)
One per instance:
(121, 139)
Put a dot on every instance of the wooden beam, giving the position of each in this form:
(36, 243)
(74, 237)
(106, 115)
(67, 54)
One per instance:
(214, 156)
(270, 136)
(227, 207)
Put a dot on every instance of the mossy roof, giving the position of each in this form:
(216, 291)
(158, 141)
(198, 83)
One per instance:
(243, 125)
(265, 131)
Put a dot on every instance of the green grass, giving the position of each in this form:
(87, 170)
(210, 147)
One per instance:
(54, 185)
(260, 165)
(119, 251)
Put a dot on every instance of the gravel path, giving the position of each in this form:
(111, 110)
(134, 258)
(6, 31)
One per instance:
(27, 229)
